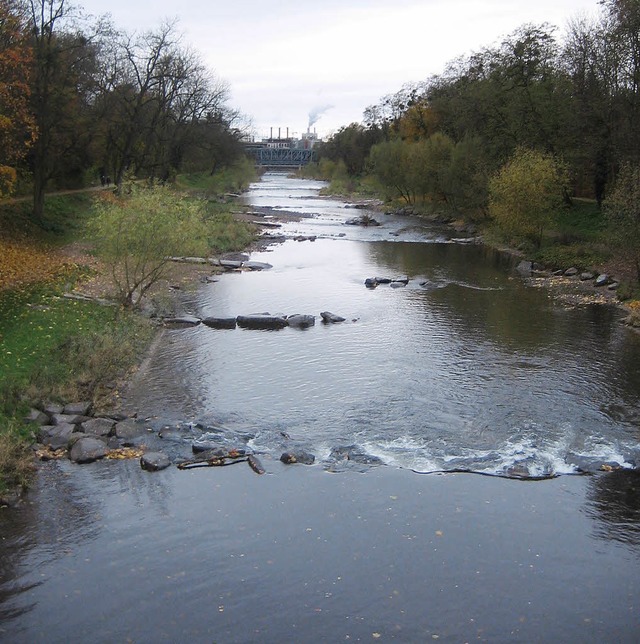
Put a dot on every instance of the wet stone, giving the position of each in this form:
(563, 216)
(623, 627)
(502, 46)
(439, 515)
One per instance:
(297, 456)
(301, 321)
(128, 430)
(220, 323)
(87, 450)
(154, 461)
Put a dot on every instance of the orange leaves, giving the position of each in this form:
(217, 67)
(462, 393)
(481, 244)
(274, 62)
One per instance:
(23, 263)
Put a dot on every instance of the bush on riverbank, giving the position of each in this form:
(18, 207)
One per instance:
(58, 349)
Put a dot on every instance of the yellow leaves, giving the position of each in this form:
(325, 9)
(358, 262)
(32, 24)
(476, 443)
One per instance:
(23, 263)
(124, 453)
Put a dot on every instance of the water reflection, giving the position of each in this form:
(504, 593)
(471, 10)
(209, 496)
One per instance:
(614, 504)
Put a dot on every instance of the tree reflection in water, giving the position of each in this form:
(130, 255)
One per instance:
(614, 502)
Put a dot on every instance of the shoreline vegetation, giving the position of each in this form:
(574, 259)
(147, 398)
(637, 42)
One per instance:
(66, 334)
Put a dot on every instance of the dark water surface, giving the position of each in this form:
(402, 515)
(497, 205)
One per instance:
(464, 368)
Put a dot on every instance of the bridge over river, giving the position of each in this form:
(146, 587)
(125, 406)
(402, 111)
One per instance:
(280, 157)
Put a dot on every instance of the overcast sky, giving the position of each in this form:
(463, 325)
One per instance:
(286, 60)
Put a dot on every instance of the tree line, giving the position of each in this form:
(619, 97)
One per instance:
(81, 99)
(562, 112)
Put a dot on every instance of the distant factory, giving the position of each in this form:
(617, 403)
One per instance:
(306, 142)
(284, 152)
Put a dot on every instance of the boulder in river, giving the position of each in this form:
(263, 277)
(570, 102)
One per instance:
(363, 220)
(88, 449)
(300, 321)
(331, 318)
(127, 430)
(99, 426)
(261, 321)
(154, 461)
(219, 323)
(183, 320)
(256, 266)
(297, 456)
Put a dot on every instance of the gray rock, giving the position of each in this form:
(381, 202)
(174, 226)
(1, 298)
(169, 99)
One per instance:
(220, 323)
(261, 321)
(56, 436)
(59, 419)
(371, 282)
(183, 320)
(37, 416)
(602, 280)
(403, 279)
(383, 280)
(297, 456)
(99, 426)
(77, 408)
(525, 267)
(231, 264)
(558, 272)
(88, 449)
(128, 429)
(154, 461)
(395, 284)
(613, 286)
(586, 276)
(300, 321)
(256, 266)
(331, 318)
(571, 272)
(52, 408)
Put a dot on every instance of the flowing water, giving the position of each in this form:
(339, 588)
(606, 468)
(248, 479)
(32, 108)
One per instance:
(464, 368)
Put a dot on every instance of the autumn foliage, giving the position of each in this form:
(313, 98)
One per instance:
(17, 127)
(23, 263)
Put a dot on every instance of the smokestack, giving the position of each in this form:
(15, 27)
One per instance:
(287, 132)
(271, 133)
(278, 134)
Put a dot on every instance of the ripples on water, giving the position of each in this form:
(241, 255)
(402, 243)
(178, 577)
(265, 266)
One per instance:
(465, 368)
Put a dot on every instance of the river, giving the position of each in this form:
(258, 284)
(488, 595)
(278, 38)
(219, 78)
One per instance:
(467, 368)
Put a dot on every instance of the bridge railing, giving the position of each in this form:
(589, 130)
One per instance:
(283, 157)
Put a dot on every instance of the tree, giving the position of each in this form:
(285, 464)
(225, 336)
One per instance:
(391, 163)
(17, 127)
(62, 70)
(136, 235)
(622, 208)
(527, 191)
(351, 144)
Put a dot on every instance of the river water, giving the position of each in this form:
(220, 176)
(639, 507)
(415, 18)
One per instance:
(464, 368)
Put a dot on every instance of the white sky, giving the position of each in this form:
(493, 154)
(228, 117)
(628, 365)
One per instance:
(283, 60)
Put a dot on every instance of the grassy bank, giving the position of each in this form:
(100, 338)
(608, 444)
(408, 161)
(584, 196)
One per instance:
(57, 349)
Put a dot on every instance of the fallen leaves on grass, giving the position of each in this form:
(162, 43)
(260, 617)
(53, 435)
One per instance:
(23, 263)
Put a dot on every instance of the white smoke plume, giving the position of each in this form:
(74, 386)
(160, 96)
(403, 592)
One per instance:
(317, 112)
